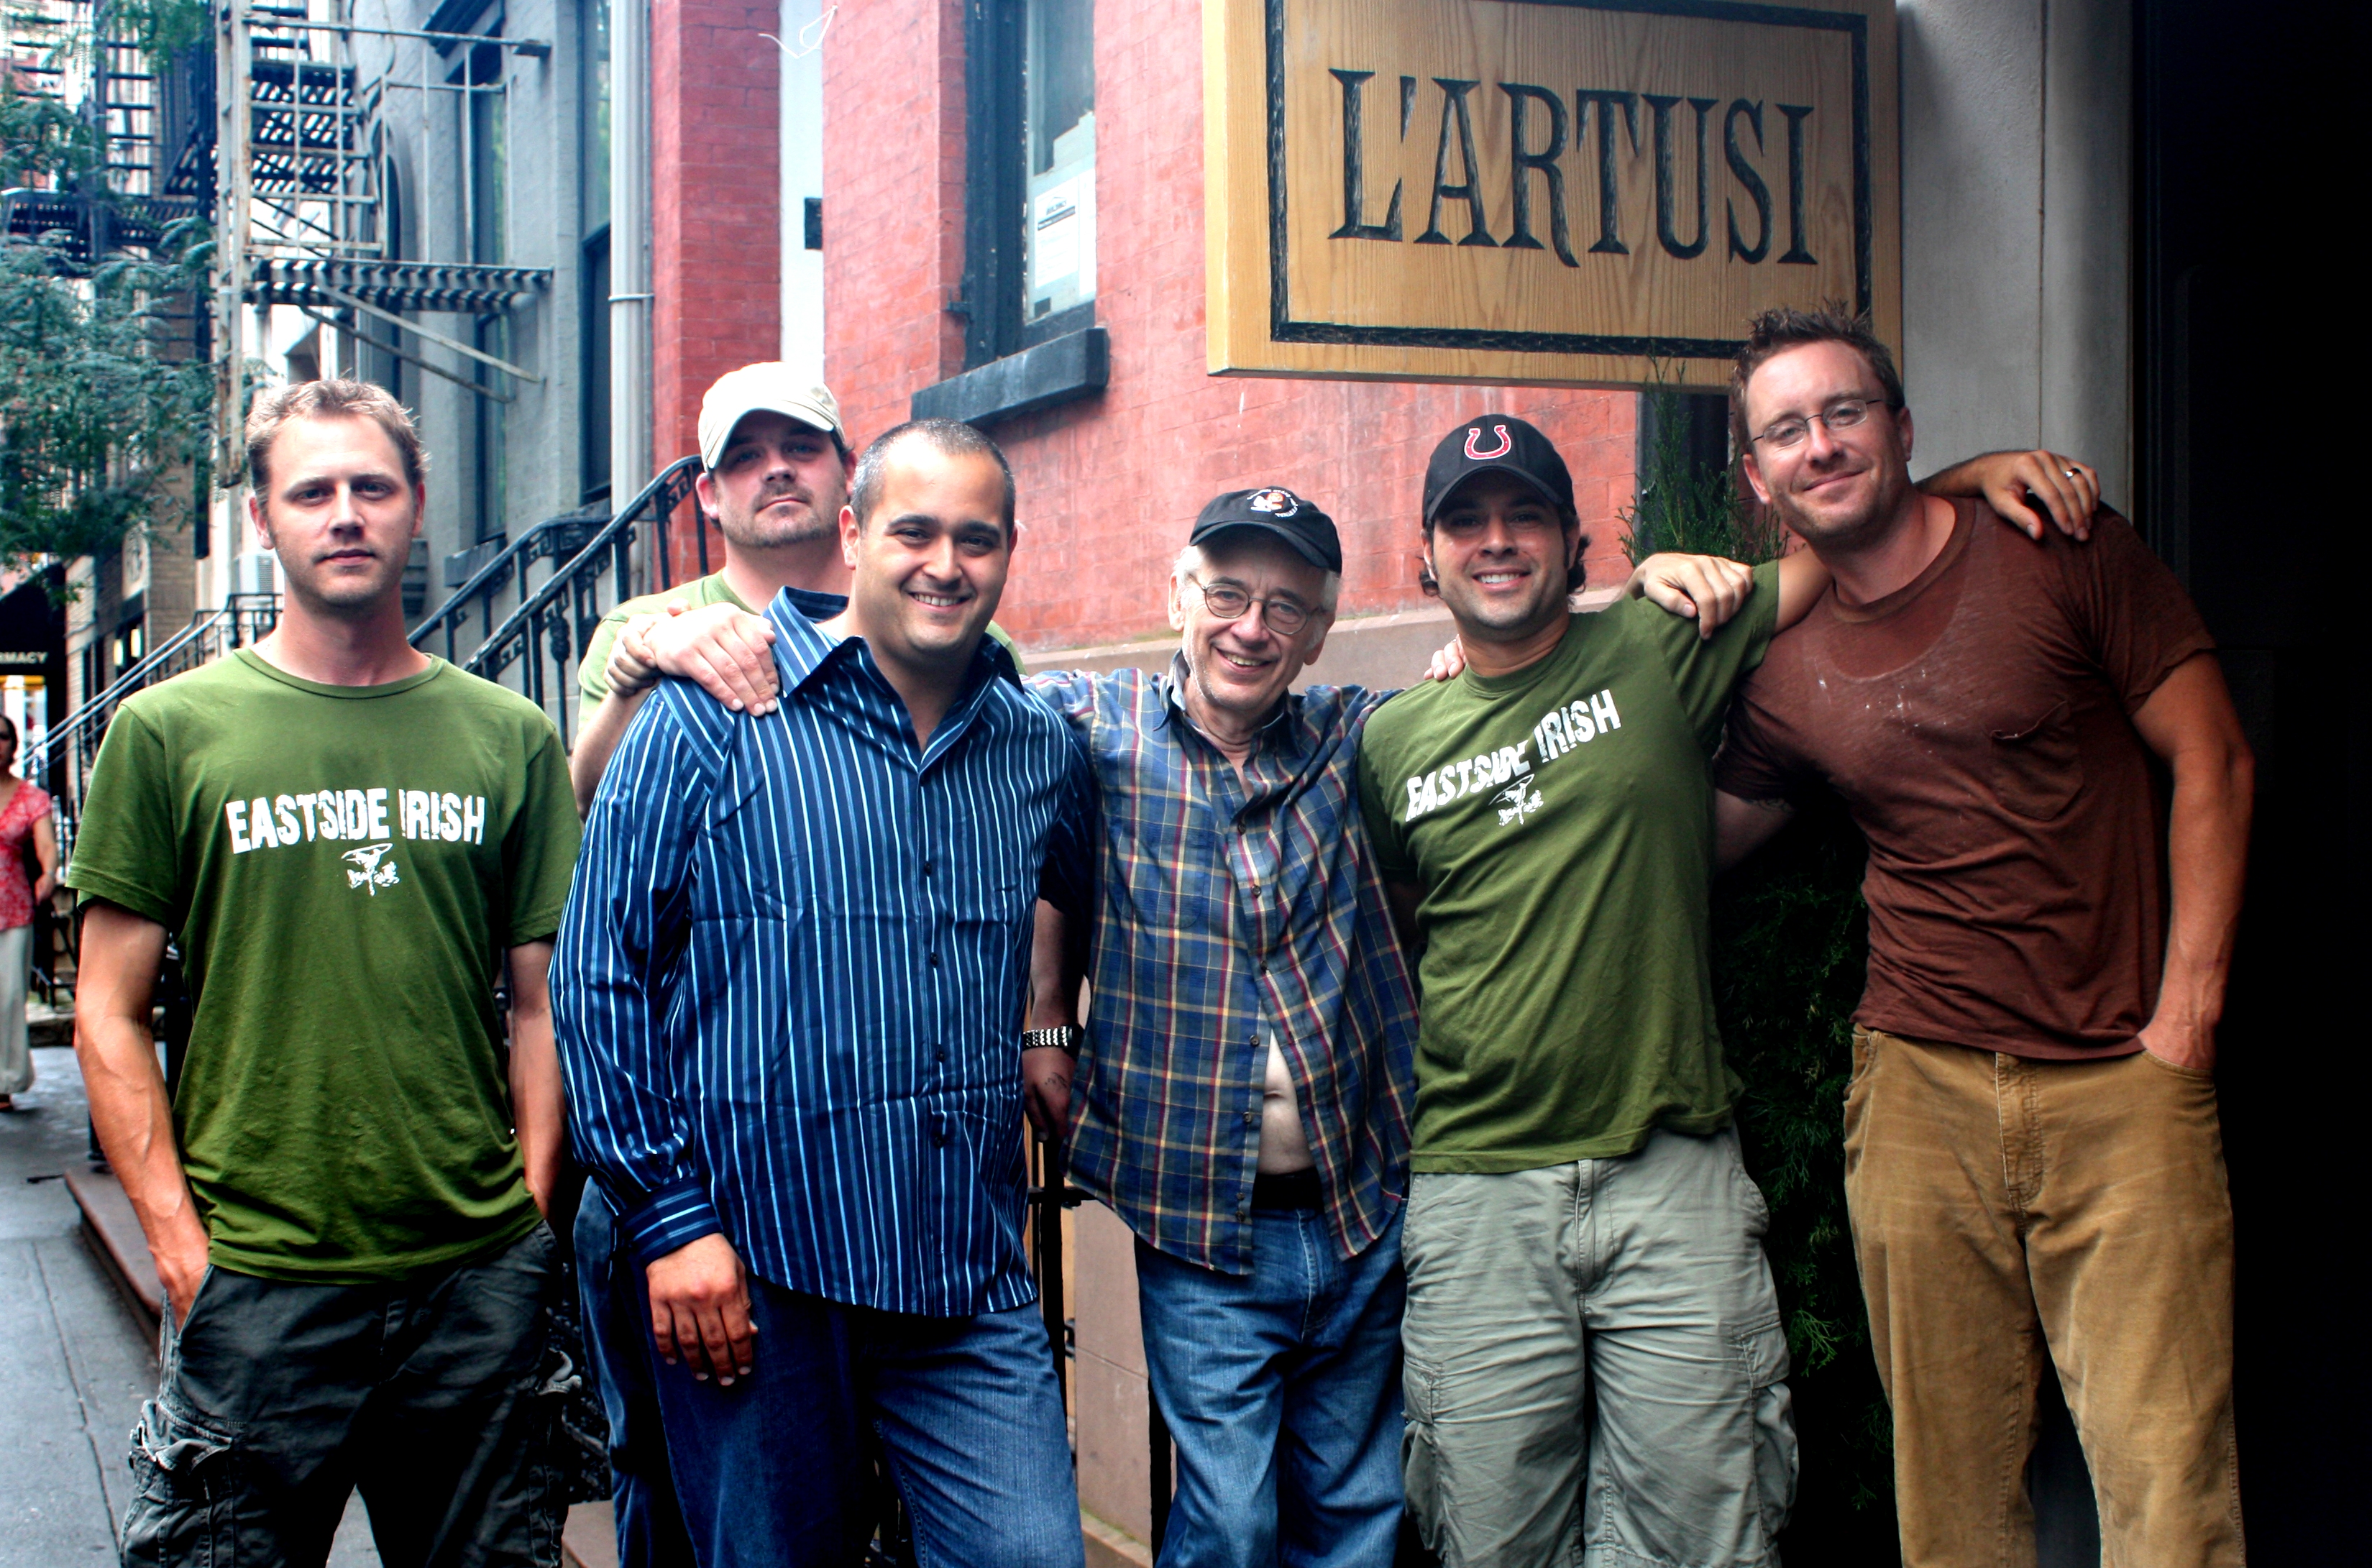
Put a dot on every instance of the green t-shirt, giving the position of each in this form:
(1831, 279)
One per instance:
(345, 869)
(1560, 822)
(593, 674)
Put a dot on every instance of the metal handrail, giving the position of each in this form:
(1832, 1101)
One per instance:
(260, 610)
(477, 592)
(62, 761)
(568, 626)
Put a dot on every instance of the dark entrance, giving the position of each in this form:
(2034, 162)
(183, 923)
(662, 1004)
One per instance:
(2242, 323)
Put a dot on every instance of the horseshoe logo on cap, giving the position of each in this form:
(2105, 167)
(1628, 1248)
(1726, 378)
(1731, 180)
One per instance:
(1506, 443)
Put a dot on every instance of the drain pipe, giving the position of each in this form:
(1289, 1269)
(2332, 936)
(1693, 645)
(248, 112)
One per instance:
(629, 262)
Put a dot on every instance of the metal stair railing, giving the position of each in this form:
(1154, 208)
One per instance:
(536, 646)
(64, 759)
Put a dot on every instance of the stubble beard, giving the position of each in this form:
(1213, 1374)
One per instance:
(749, 532)
(1500, 622)
(1855, 531)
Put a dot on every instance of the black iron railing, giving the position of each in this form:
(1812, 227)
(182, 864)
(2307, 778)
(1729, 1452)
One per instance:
(64, 756)
(536, 642)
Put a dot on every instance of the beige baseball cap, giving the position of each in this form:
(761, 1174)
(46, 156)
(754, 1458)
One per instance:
(771, 388)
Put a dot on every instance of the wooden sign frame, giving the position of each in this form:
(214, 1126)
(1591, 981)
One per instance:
(1257, 324)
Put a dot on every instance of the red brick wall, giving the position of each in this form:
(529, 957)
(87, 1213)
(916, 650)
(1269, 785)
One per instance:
(1109, 485)
(715, 213)
(893, 176)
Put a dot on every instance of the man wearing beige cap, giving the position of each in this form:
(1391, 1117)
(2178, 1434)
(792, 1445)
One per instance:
(777, 463)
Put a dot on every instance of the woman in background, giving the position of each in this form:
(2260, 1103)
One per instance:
(24, 812)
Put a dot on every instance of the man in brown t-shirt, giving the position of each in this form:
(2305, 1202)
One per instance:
(2033, 1162)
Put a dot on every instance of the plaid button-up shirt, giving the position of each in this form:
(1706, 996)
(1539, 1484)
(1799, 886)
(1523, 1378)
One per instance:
(1227, 913)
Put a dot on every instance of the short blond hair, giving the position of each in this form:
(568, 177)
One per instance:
(333, 398)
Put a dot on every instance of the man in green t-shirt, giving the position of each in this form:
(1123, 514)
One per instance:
(352, 843)
(1580, 1225)
(1578, 1213)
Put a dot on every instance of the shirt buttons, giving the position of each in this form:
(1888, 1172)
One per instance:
(926, 868)
(934, 960)
(1251, 1117)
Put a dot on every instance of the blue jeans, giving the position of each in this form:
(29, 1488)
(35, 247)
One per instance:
(776, 1470)
(1283, 1394)
(617, 1325)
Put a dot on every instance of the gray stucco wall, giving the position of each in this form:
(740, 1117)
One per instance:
(2016, 228)
(541, 457)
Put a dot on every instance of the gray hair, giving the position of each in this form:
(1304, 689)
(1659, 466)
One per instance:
(947, 437)
(1194, 559)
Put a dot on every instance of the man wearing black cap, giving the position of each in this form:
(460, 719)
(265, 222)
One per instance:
(1579, 1220)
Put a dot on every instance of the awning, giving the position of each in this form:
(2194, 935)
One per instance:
(462, 288)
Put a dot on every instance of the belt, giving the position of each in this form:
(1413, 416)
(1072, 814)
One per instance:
(1289, 1190)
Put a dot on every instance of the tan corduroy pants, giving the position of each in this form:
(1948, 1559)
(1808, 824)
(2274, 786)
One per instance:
(2005, 1209)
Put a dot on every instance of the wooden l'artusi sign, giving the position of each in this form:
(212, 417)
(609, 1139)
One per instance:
(1597, 192)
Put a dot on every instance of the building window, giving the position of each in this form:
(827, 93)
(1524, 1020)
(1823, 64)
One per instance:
(1031, 188)
(1059, 132)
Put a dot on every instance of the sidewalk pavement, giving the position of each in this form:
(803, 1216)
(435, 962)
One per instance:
(75, 1361)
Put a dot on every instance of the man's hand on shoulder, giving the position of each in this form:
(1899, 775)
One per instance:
(2025, 486)
(724, 649)
(700, 1309)
(1708, 589)
(630, 672)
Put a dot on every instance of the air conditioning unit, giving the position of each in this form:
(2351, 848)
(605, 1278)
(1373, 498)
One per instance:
(257, 572)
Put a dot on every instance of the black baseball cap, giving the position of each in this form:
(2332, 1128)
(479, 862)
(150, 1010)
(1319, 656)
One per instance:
(1496, 443)
(1297, 522)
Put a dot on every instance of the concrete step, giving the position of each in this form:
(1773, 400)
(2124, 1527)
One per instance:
(114, 1232)
(46, 1026)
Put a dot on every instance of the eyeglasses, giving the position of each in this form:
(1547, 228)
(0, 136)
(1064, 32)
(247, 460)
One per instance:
(1228, 602)
(1842, 414)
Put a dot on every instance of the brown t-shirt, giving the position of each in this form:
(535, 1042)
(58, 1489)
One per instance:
(1976, 723)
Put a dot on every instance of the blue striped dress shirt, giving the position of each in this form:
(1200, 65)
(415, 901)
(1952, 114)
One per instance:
(790, 983)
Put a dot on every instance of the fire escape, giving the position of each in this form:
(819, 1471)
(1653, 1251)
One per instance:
(275, 127)
(294, 159)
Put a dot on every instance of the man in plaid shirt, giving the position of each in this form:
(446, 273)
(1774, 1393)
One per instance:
(1244, 1105)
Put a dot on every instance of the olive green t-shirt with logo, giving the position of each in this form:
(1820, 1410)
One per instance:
(344, 869)
(1559, 821)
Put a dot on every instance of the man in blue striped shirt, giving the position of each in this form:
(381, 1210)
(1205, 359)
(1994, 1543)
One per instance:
(789, 994)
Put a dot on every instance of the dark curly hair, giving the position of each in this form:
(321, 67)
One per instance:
(1776, 331)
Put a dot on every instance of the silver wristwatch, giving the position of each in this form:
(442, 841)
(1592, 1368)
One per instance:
(1067, 1038)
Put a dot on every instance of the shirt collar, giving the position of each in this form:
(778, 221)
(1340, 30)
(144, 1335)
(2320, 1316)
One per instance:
(816, 606)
